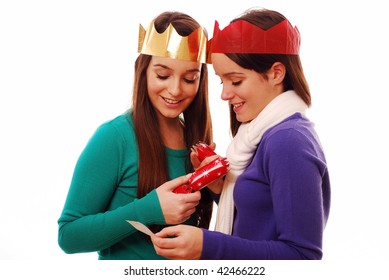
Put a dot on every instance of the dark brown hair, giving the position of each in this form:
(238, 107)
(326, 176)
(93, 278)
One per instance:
(261, 63)
(153, 167)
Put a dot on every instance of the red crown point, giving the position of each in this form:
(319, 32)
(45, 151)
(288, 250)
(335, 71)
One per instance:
(243, 37)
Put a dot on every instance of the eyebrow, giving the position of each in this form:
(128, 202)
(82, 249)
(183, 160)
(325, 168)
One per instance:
(166, 67)
(230, 73)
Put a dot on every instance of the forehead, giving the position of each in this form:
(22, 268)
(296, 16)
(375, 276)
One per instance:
(175, 64)
(223, 65)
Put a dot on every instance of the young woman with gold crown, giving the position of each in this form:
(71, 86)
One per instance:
(124, 171)
(275, 200)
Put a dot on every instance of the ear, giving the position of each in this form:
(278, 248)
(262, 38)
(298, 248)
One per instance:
(276, 73)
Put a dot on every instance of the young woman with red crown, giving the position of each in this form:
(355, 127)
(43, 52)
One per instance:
(274, 201)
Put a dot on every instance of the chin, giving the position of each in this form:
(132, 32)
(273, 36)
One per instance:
(171, 115)
(241, 119)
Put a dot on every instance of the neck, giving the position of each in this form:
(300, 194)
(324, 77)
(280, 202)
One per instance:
(172, 133)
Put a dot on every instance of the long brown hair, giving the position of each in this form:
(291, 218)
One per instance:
(261, 63)
(153, 167)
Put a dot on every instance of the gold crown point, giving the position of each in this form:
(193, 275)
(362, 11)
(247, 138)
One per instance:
(171, 44)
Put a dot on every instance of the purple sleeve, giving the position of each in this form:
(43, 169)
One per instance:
(295, 168)
(220, 246)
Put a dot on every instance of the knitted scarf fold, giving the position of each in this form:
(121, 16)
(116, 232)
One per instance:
(244, 144)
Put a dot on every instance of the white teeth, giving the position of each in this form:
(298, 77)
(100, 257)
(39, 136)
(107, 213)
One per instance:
(238, 105)
(170, 101)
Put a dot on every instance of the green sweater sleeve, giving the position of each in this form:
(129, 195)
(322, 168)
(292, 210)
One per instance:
(89, 222)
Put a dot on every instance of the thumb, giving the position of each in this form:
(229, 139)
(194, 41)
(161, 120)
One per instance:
(172, 184)
(168, 232)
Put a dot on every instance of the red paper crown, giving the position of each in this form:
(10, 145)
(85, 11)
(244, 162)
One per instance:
(243, 37)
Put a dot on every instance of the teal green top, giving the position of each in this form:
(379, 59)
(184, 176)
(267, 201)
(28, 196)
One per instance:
(103, 195)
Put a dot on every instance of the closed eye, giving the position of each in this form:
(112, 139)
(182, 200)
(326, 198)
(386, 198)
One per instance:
(162, 77)
(190, 81)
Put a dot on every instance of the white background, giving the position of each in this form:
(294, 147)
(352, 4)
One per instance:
(67, 66)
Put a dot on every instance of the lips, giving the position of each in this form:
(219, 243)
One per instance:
(237, 105)
(171, 101)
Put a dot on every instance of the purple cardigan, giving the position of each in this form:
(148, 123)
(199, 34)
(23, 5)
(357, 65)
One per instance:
(282, 199)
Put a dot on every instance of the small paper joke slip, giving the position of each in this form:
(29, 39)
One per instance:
(141, 227)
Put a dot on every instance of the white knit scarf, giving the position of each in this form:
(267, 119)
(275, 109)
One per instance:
(242, 148)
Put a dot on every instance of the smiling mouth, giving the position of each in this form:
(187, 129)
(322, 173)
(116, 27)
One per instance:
(171, 101)
(237, 105)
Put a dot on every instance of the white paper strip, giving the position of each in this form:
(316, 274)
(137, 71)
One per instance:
(141, 227)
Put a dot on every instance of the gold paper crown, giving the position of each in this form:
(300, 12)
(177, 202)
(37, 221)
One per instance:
(170, 44)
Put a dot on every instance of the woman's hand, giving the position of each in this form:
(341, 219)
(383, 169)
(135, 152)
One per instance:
(195, 160)
(180, 242)
(177, 208)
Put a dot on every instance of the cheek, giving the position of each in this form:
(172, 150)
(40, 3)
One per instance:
(193, 92)
(190, 90)
(154, 85)
(152, 88)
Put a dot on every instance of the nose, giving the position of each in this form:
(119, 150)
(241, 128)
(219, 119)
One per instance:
(227, 94)
(174, 88)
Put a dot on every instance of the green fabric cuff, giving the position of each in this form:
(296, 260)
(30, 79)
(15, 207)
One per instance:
(149, 209)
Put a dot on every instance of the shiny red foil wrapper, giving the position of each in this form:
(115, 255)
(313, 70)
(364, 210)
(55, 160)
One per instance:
(205, 174)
